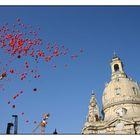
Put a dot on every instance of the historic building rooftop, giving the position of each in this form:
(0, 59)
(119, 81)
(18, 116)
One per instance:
(121, 105)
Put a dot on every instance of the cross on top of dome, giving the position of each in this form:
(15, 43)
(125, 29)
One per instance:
(115, 55)
(93, 93)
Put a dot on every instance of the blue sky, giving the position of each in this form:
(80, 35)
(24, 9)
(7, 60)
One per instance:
(65, 92)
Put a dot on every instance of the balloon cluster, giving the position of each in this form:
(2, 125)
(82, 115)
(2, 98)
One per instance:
(21, 42)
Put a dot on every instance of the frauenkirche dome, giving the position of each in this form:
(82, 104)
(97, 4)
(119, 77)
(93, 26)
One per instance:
(121, 105)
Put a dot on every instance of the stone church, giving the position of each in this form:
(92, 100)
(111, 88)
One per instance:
(121, 105)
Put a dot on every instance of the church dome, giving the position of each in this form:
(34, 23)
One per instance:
(119, 90)
(121, 95)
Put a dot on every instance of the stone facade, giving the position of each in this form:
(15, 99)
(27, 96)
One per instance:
(121, 105)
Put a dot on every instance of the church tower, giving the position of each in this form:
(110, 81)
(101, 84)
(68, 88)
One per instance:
(121, 105)
(117, 68)
(93, 112)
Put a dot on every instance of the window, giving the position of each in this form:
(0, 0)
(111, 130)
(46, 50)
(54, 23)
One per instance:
(96, 117)
(118, 91)
(121, 112)
(135, 91)
(116, 67)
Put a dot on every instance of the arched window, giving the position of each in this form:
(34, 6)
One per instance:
(121, 112)
(96, 117)
(118, 91)
(116, 67)
(135, 90)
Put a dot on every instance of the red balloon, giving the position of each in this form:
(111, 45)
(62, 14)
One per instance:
(12, 71)
(14, 97)
(13, 106)
(35, 122)
(19, 56)
(21, 92)
(35, 89)
(9, 102)
(22, 113)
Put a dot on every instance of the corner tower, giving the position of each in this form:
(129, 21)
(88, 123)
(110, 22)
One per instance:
(93, 116)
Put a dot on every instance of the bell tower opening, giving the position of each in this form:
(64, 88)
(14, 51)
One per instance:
(116, 67)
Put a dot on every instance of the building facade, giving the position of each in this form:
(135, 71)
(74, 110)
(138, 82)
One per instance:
(121, 105)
